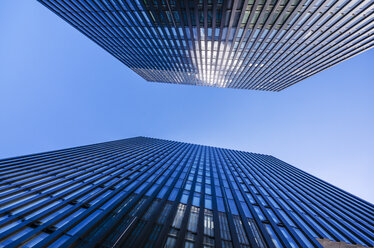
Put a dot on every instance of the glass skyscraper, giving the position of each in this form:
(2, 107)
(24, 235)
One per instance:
(146, 192)
(244, 44)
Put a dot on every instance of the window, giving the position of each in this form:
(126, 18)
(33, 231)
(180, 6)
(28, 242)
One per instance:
(256, 233)
(208, 223)
(196, 199)
(170, 242)
(208, 201)
(259, 213)
(193, 219)
(273, 236)
(151, 209)
(177, 222)
(173, 195)
(240, 230)
(208, 242)
(224, 227)
(233, 208)
(272, 215)
(246, 210)
(290, 240)
(220, 204)
(164, 213)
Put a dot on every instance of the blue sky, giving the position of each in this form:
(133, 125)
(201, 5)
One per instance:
(58, 89)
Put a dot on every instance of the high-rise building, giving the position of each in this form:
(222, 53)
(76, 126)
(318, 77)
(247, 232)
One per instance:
(145, 192)
(244, 44)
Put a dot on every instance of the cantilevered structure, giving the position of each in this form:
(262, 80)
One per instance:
(244, 44)
(145, 192)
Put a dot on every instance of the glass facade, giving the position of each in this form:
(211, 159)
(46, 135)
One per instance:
(146, 192)
(244, 44)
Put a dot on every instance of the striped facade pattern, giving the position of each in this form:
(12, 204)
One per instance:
(243, 44)
(146, 192)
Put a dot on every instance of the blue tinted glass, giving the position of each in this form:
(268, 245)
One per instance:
(273, 236)
(184, 198)
(259, 213)
(208, 202)
(246, 210)
(221, 206)
(233, 208)
(288, 237)
(173, 195)
(196, 199)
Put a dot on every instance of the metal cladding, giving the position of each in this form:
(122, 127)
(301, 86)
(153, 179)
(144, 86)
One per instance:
(145, 192)
(243, 44)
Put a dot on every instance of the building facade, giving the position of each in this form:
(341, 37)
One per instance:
(243, 44)
(146, 192)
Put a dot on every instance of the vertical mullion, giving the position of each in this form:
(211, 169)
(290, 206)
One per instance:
(234, 236)
(167, 225)
(157, 212)
(182, 232)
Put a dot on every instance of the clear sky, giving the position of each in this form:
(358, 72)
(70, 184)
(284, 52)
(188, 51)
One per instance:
(58, 89)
